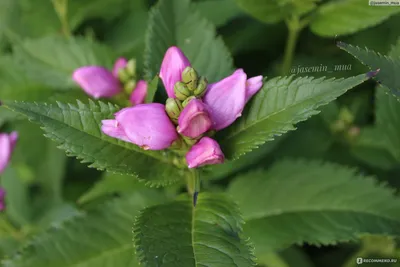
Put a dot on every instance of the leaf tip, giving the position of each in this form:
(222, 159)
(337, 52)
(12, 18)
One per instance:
(372, 74)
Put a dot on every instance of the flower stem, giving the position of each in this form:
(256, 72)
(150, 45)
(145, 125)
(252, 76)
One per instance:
(61, 8)
(294, 25)
(193, 185)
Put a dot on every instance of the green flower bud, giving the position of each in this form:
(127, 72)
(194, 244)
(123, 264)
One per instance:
(346, 116)
(187, 100)
(173, 107)
(123, 76)
(190, 78)
(129, 86)
(181, 91)
(201, 87)
(188, 140)
(131, 67)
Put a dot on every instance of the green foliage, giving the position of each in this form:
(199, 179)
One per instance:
(281, 103)
(298, 202)
(272, 11)
(51, 60)
(219, 12)
(109, 184)
(190, 32)
(388, 66)
(76, 129)
(347, 17)
(102, 237)
(209, 234)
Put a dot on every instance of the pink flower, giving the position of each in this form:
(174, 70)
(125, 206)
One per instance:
(146, 125)
(97, 81)
(172, 66)
(7, 144)
(2, 199)
(206, 152)
(138, 95)
(194, 119)
(120, 63)
(226, 99)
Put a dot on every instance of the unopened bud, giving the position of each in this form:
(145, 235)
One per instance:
(187, 100)
(190, 141)
(123, 75)
(131, 67)
(201, 87)
(173, 107)
(346, 116)
(190, 77)
(181, 91)
(130, 86)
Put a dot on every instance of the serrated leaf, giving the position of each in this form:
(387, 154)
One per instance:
(312, 202)
(109, 184)
(178, 23)
(349, 16)
(51, 60)
(278, 106)
(77, 130)
(389, 66)
(100, 238)
(272, 11)
(152, 89)
(177, 234)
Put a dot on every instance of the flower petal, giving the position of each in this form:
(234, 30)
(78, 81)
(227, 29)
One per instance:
(194, 119)
(139, 93)
(206, 152)
(7, 144)
(97, 81)
(226, 99)
(120, 63)
(148, 126)
(253, 85)
(172, 66)
(113, 128)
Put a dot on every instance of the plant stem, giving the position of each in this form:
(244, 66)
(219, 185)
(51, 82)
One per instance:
(61, 8)
(294, 25)
(193, 184)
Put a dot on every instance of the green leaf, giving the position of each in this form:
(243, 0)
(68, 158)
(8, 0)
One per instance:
(312, 202)
(102, 237)
(77, 130)
(152, 89)
(395, 50)
(278, 106)
(219, 12)
(177, 234)
(177, 23)
(388, 67)
(110, 184)
(272, 11)
(349, 16)
(52, 60)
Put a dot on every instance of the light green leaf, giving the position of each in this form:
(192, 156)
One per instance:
(177, 234)
(77, 130)
(278, 106)
(389, 67)
(109, 184)
(177, 23)
(348, 16)
(272, 11)
(297, 202)
(219, 12)
(99, 238)
(52, 60)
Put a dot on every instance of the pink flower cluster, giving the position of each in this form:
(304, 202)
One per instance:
(150, 127)
(99, 82)
(7, 144)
